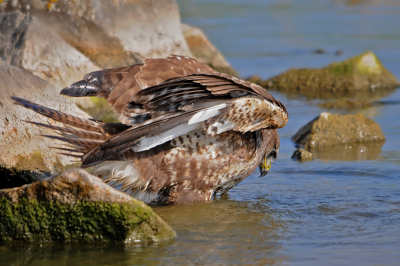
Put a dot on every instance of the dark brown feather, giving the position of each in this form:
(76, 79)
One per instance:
(78, 133)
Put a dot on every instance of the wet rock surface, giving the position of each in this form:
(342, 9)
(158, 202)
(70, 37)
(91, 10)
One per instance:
(302, 155)
(361, 76)
(333, 129)
(77, 206)
(204, 51)
(25, 154)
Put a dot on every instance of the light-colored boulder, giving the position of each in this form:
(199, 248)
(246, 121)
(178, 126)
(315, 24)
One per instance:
(31, 45)
(77, 206)
(204, 51)
(22, 148)
(113, 33)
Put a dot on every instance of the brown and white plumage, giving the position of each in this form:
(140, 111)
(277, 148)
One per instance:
(187, 130)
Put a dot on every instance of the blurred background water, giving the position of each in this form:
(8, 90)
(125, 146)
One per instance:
(326, 212)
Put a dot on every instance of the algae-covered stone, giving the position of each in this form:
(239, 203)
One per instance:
(332, 129)
(361, 73)
(98, 108)
(302, 155)
(77, 206)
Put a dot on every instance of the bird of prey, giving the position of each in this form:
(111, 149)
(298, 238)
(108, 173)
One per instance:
(186, 132)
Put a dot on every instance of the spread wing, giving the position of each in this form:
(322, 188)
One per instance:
(167, 98)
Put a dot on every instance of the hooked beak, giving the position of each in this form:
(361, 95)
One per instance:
(265, 165)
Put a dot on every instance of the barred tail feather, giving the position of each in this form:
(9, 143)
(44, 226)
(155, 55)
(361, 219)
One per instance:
(59, 116)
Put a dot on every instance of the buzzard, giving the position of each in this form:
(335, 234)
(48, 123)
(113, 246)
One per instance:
(186, 132)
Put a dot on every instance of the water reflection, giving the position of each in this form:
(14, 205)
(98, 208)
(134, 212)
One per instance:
(225, 232)
(349, 152)
(222, 232)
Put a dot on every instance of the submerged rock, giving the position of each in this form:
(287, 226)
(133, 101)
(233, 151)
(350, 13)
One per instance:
(363, 75)
(77, 206)
(333, 129)
(302, 155)
(204, 51)
(25, 155)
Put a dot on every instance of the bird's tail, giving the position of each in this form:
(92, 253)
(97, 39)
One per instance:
(80, 135)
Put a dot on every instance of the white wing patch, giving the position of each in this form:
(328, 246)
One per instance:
(206, 114)
(221, 127)
(194, 123)
(151, 142)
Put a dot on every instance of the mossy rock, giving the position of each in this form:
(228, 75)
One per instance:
(76, 206)
(98, 108)
(333, 129)
(356, 76)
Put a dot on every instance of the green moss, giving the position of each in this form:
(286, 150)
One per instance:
(84, 221)
(32, 162)
(100, 110)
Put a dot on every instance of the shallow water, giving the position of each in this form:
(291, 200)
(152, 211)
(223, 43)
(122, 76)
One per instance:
(342, 209)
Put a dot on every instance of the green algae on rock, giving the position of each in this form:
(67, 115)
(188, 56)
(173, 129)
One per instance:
(332, 129)
(98, 108)
(361, 73)
(76, 206)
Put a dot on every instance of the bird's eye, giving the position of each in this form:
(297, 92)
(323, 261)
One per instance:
(272, 155)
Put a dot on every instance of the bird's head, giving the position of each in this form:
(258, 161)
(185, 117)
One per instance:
(272, 143)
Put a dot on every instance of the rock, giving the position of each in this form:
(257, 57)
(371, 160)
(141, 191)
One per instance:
(112, 33)
(333, 129)
(362, 75)
(31, 45)
(77, 206)
(26, 156)
(204, 51)
(302, 155)
(319, 51)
